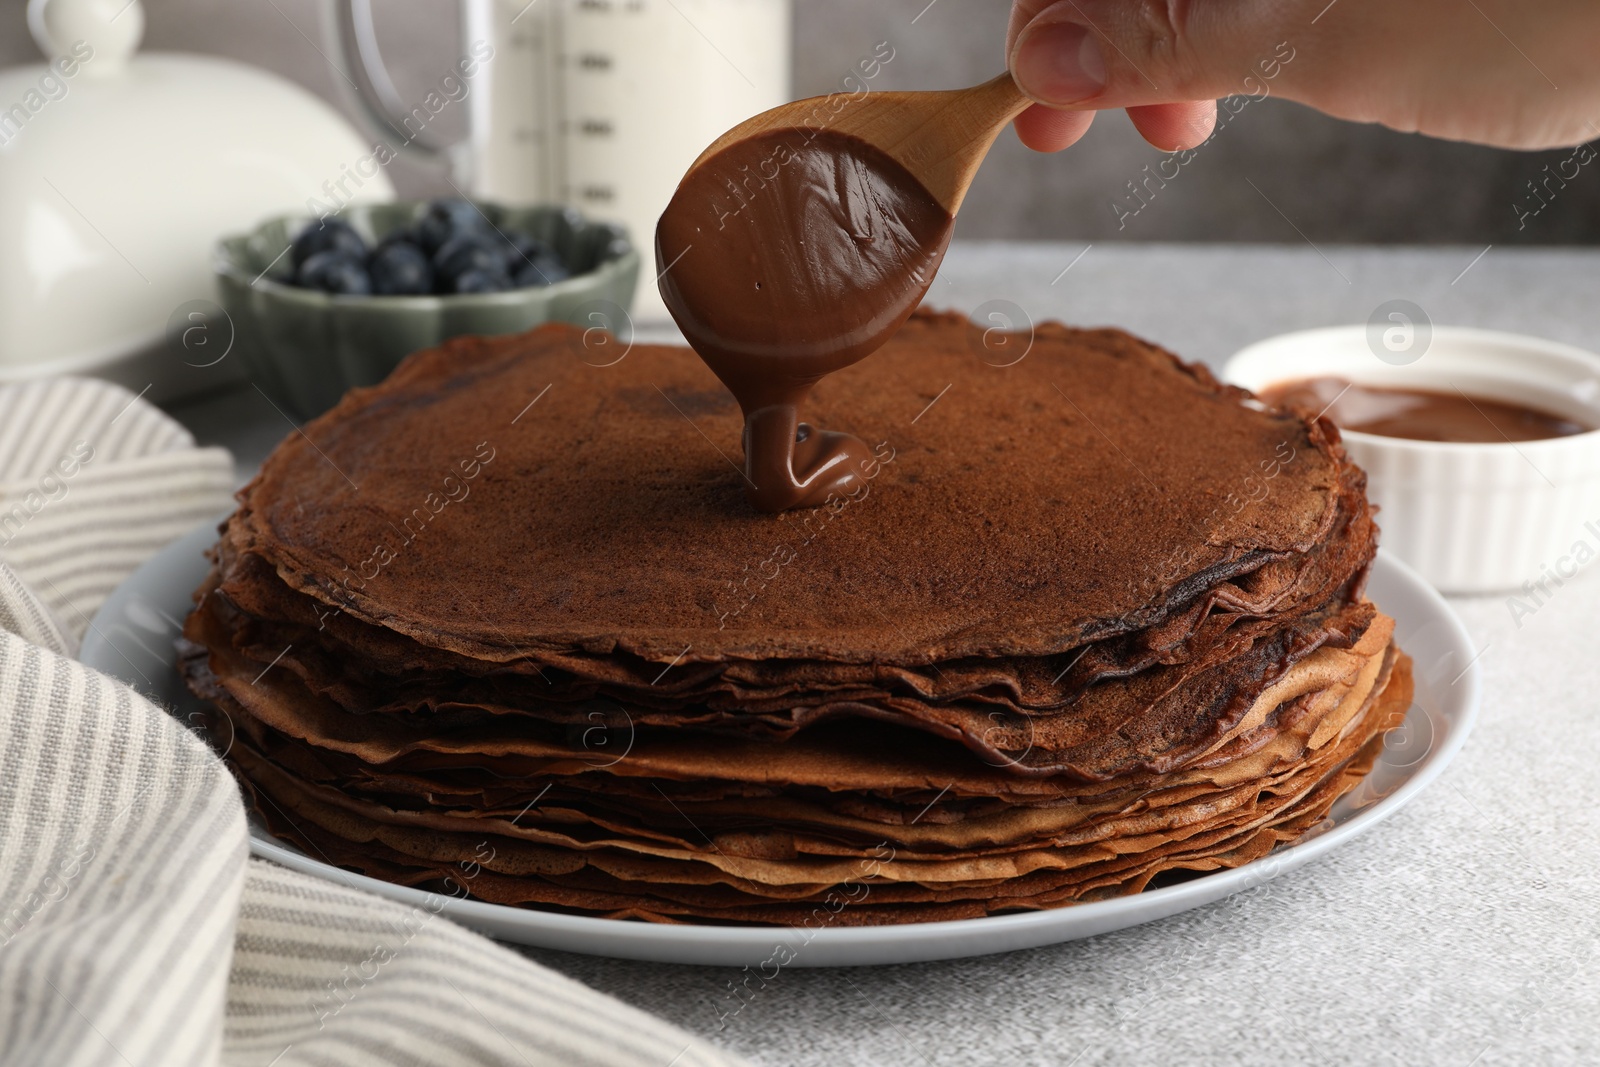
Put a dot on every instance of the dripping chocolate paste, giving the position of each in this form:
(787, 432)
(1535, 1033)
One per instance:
(789, 255)
(1420, 415)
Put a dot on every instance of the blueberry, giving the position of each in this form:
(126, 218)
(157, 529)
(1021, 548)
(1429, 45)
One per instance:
(491, 280)
(326, 235)
(531, 261)
(521, 249)
(400, 268)
(334, 272)
(469, 252)
(543, 270)
(612, 241)
(445, 219)
(400, 235)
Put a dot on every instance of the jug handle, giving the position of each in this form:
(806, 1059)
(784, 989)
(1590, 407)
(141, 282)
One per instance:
(364, 82)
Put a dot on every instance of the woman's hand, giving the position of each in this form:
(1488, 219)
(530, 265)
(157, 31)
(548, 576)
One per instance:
(1497, 72)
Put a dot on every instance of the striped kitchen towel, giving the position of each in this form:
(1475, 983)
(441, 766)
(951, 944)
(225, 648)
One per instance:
(135, 928)
(92, 481)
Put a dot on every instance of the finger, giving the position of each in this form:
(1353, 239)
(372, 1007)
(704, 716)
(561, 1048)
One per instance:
(1022, 13)
(1127, 53)
(1046, 129)
(1174, 127)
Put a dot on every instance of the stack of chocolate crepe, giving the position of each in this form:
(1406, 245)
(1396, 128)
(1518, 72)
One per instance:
(504, 624)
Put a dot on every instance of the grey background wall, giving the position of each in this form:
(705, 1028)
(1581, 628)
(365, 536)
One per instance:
(1334, 181)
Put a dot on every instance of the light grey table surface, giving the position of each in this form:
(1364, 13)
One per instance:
(1465, 931)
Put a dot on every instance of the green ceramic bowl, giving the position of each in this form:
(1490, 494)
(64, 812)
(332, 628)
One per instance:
(305, 348)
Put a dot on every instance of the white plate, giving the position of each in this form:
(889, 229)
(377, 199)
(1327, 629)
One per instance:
(131, 638)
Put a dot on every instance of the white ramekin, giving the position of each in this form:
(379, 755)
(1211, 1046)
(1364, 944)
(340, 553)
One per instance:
(1472, 518)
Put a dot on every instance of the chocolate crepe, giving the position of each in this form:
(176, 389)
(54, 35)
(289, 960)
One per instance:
(1097, 618)
(1086, 491)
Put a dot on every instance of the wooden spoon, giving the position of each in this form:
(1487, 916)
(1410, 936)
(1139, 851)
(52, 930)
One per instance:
(804, 237)
(940, 137)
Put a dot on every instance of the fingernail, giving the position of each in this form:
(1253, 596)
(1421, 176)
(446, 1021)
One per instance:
(1059, 63)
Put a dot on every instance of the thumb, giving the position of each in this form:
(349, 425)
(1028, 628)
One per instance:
(1128, 53)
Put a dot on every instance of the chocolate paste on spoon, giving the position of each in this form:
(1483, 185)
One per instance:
(792, 254)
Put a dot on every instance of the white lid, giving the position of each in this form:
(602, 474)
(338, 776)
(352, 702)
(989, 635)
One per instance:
(118, 173)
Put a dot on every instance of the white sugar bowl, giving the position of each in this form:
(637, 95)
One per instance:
(1518, 516)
